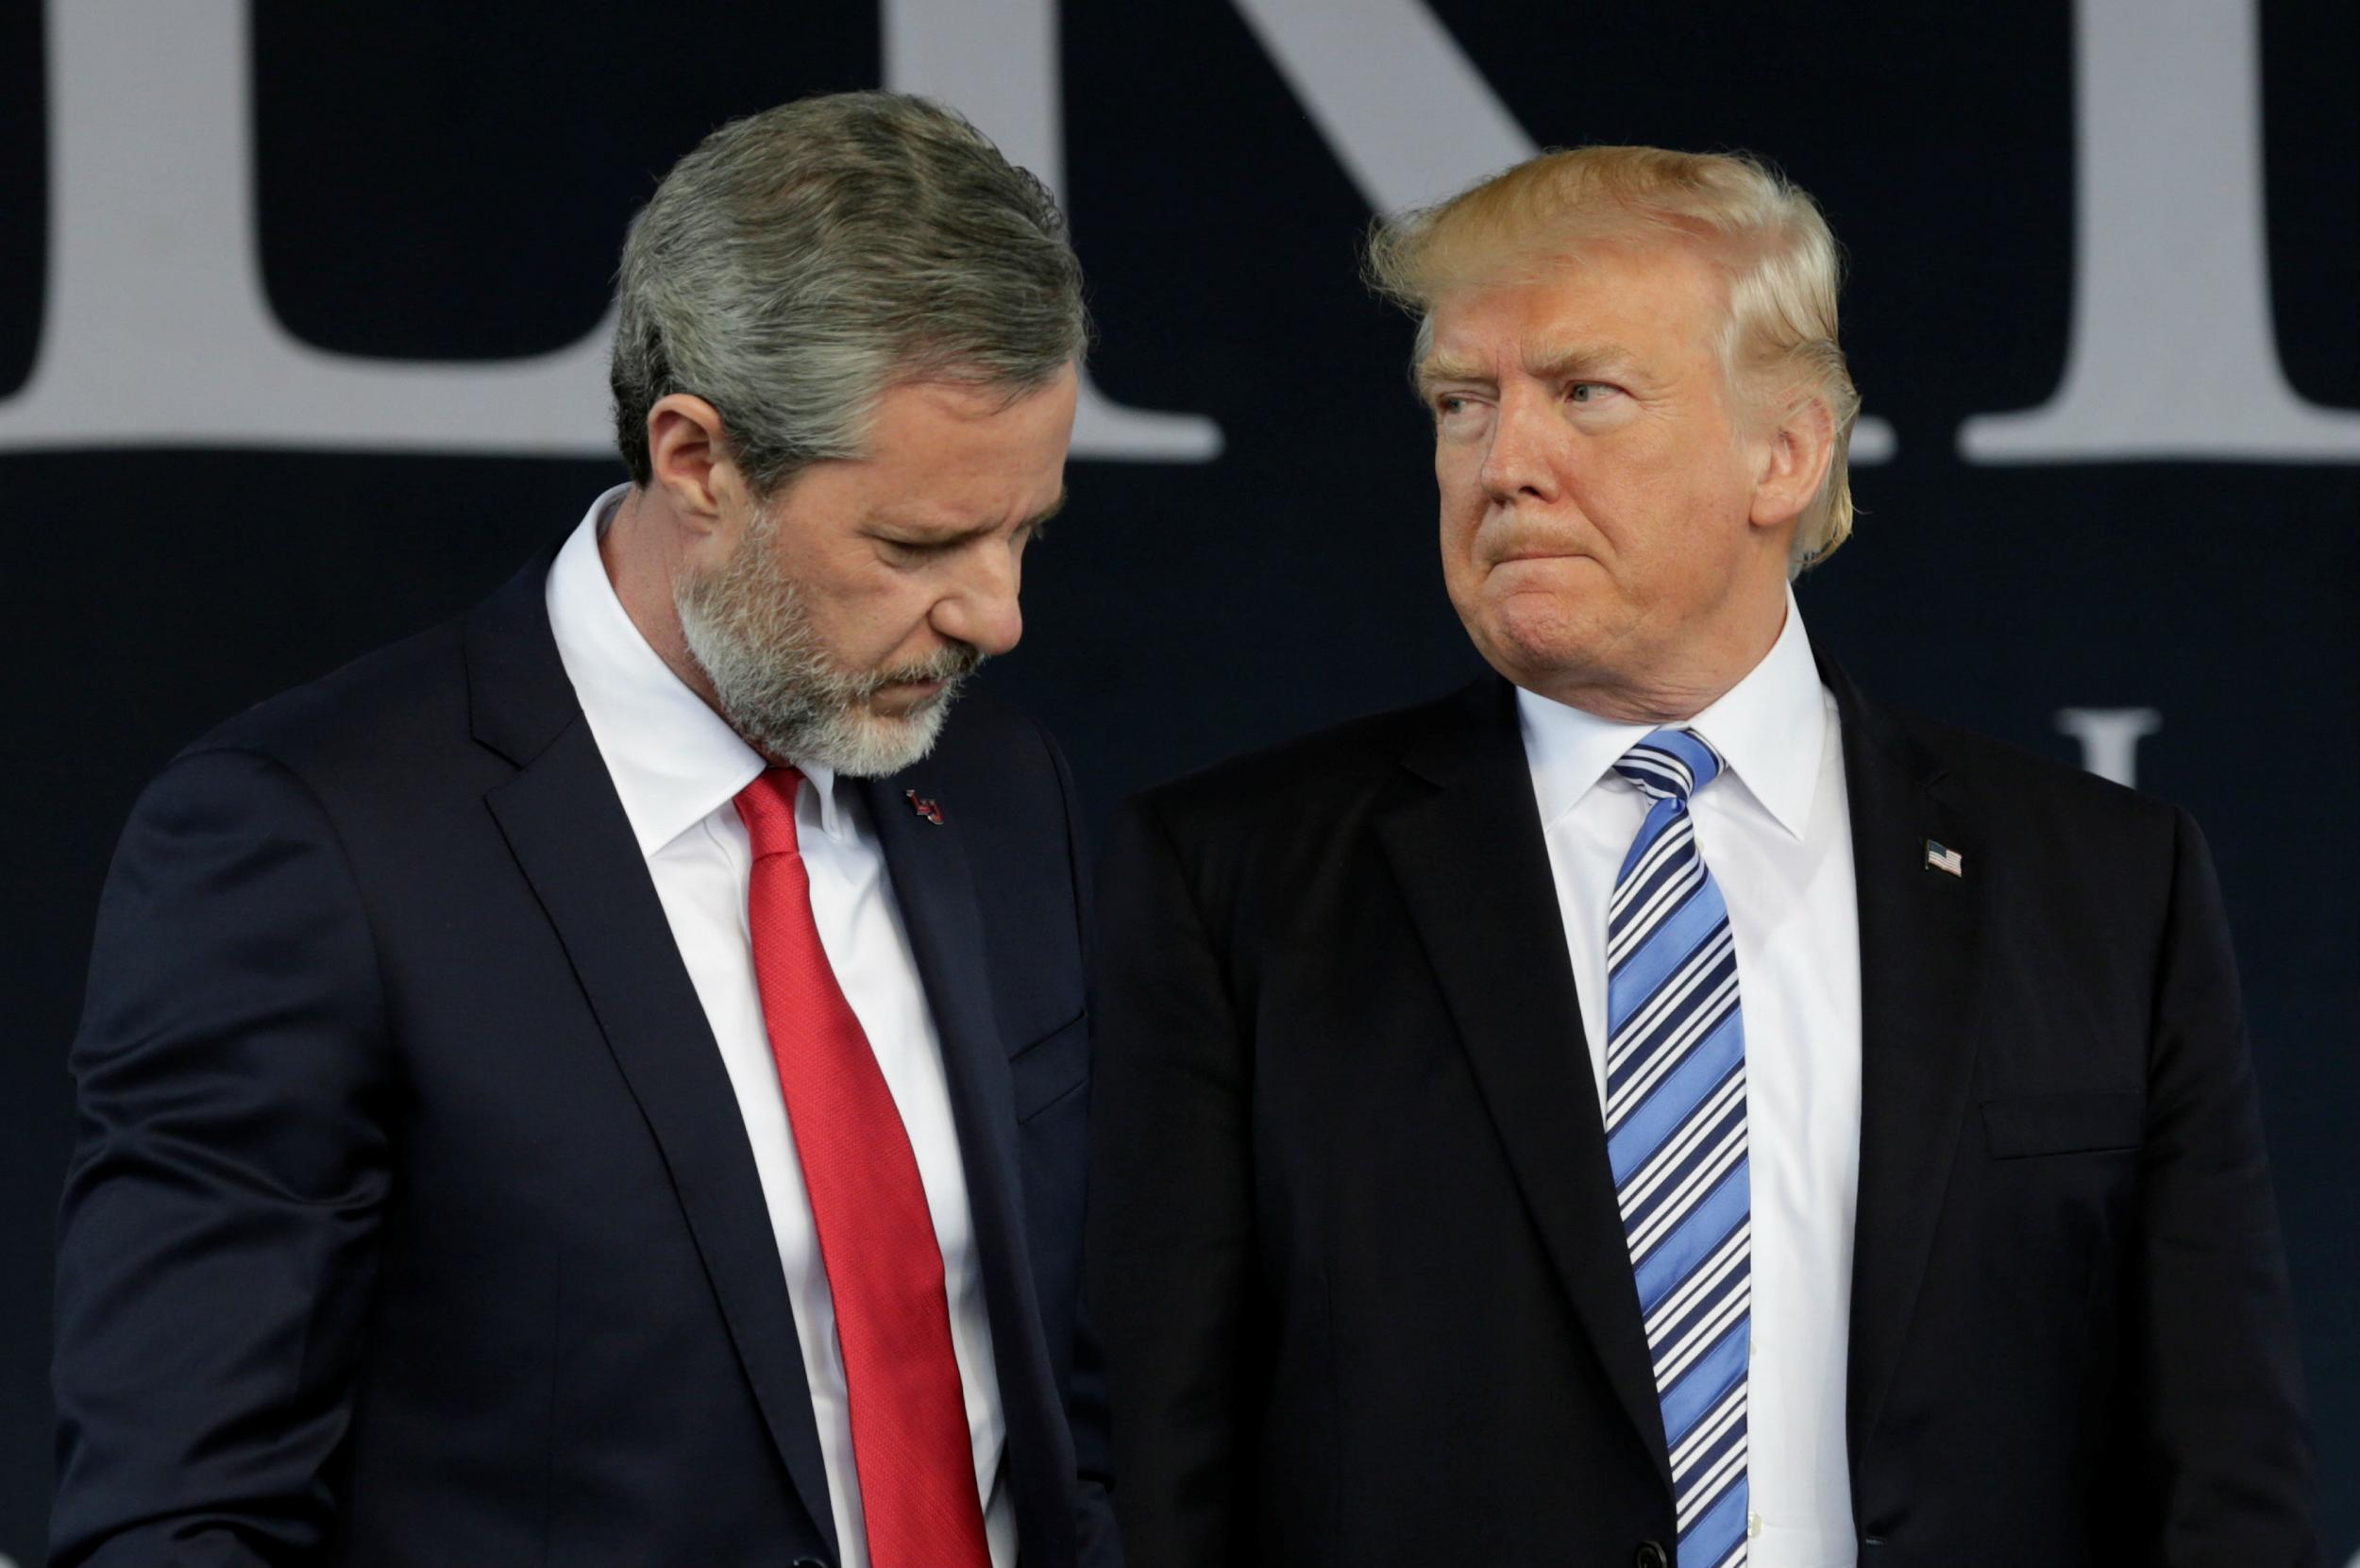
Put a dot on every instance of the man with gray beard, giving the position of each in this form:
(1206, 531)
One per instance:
(604, 1081)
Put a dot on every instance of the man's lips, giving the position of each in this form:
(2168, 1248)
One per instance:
(910, 694)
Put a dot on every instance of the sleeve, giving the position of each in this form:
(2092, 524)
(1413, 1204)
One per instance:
(1171, 1221)
(217, 1233)
(2227, 1454)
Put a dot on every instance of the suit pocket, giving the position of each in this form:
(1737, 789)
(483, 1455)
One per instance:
(1051, 1066)
(2025, 1125)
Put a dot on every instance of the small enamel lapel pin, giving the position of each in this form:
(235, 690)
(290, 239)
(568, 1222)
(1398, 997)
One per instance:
(1939, 859)
(924, 807)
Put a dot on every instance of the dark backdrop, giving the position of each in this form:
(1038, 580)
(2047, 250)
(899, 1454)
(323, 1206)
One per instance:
(450, 184)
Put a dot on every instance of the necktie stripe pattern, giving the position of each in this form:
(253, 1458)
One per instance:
(1676, 1141)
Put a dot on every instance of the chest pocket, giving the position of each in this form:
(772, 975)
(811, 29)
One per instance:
(1051, 1066)
(2025, 1125)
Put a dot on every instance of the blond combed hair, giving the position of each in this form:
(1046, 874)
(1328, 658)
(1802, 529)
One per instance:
(1759, 229)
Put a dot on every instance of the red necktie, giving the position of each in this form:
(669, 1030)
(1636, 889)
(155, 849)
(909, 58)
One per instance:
(910, 1441)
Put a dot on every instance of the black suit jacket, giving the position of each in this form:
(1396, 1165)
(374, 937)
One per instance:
(412, 1218)
(1363, 1282)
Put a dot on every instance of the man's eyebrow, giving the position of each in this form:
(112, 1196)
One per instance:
(1435, 369)
(1545, 361)
(942, 532)
(1562, 361)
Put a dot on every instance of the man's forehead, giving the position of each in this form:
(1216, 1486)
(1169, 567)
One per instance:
(1597, 309)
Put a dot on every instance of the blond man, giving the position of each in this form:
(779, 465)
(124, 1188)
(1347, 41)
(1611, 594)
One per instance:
(1661, 1104)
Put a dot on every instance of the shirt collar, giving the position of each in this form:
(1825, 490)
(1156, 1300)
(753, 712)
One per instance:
(673, 759)
(1769, 728)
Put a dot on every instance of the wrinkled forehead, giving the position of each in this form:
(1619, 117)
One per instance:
(1575, 306)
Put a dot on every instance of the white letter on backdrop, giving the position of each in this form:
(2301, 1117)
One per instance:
(2172, 353)
(155, 333)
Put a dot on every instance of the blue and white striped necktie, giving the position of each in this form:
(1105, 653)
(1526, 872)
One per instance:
(1675, 1137)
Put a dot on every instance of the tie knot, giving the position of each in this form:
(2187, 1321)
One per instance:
(767, 806)
(1670, 764)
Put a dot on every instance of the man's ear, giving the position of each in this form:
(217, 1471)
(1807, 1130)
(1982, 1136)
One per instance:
(1793, 462)
(688, 460)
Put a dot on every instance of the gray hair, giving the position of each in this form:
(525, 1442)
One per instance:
(800, 262)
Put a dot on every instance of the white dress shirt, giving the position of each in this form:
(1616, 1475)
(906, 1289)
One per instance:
(678, 768)
(1774, 831)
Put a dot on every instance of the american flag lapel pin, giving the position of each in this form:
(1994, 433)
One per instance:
(924, 807)
(1939, 859)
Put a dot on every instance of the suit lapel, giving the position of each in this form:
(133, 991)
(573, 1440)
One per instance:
(936, 891)
(1921, 940)
(1475, 872)
(565, 826)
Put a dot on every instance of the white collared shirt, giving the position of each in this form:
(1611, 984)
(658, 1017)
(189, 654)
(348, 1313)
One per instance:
(678, 768)
(1775, 833)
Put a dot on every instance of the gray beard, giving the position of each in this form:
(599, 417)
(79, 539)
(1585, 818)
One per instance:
(749, 629)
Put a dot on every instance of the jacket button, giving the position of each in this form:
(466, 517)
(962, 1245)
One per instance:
(807, 1562)
(1649, 1555)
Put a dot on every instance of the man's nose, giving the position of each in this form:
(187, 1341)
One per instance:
(1519, 461)
(981, 609)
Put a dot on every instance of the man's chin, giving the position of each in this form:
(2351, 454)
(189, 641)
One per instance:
(879, 741)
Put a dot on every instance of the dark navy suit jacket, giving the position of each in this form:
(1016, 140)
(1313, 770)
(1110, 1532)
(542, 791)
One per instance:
(412, 1218)
(1365, 1287)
